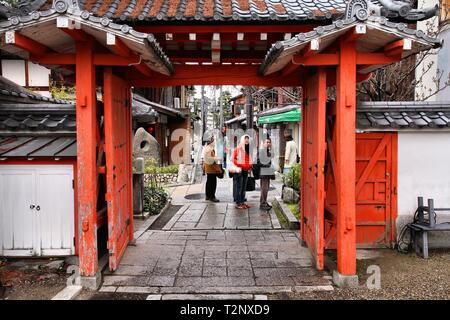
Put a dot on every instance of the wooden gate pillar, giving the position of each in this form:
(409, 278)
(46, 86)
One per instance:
(345, 164)
(86, 119)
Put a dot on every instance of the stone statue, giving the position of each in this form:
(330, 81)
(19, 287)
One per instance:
(145, 146)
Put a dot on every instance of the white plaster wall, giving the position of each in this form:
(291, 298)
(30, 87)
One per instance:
(14, 70)
(429, 66)
(444, 64)
(424, 170)
(38, 76)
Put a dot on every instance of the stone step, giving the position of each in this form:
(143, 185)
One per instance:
(189, 290)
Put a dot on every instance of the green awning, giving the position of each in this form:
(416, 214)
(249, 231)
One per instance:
(289, 116)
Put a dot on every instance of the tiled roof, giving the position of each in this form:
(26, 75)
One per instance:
(37, 118)
(142, 43)
(142, 108)
(36, 147)
(12, 92)
(373, 116)
(227, 10)
(281, 52)
(37, 130)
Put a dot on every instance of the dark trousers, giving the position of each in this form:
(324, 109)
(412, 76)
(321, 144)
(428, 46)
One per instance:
(211, 184)
(264, 183)
(239, 186)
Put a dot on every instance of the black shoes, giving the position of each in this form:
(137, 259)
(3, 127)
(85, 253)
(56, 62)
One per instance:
(213, 199)
(265, 206)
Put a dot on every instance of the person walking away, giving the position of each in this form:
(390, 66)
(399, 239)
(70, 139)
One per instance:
(241, 158)
(290, 155)
(225, 146)
(211, 169)
(266, 172)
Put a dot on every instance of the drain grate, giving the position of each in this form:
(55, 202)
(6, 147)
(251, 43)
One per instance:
(194, 196)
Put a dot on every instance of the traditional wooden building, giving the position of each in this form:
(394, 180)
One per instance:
(38, 174)
(310, 44)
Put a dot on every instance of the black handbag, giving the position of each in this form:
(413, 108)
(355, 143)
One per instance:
(256, 170)
(220, 175)
(251, 185)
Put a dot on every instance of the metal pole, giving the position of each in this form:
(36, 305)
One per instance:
(249, 110)
(431, 212)
(220, 109)
(202, 106)
(420, 213)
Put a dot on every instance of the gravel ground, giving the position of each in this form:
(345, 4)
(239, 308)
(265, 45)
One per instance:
(403, 277)
(29, 280)
(93, 295)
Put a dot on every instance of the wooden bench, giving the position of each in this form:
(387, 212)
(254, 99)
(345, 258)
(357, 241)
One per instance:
(421, 226)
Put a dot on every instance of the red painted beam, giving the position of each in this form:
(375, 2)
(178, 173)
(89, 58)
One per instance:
(55, 59)
(121, 49)
(216, 75)
(306, 52)
(394, 45)
(225, 37)
(101, 59)
(145, 70)
(29, 45)
(354, 34)
(76, 34)
(323, 59)
(250, 56)
(375, 59)
(332, 59)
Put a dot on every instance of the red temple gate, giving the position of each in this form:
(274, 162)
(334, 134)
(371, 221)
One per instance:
(117, 106)
(341, 53)
(313, 161)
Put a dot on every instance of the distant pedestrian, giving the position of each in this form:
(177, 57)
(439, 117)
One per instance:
(266, 172)
(225, 146)
(212, 169)
(242, 160)
(291, 153)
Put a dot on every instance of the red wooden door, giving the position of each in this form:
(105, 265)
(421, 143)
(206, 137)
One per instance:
(312, 166)
(375, 187)
(376, 192)
(118, 165)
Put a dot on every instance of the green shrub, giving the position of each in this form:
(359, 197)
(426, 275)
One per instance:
(150, 168)
(155, 198)
(292, 177)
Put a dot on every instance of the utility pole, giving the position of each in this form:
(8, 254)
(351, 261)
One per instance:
(220, 109)
(249, 109)
(203, 114)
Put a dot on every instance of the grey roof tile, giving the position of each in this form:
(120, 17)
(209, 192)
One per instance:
(402, 115)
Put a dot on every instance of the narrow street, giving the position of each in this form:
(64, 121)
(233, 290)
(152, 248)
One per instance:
(213, 248)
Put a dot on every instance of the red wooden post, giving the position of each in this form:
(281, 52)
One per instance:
(86, 157)
(345, 158)
(130, 163)
(303, 161)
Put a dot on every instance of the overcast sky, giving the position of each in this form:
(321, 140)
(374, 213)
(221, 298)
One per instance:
(209, 91)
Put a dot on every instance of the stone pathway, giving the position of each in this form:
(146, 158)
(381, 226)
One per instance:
(181, 194)
(214, 250)
(216, 261)
(219, 216)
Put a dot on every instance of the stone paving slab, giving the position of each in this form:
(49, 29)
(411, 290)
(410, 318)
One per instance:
(210, 216)
(217, 262)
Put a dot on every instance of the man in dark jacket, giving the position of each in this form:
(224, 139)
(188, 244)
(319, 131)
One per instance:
(266, 172)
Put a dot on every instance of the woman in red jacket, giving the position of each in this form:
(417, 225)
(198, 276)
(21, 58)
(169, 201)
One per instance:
(242, 160)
